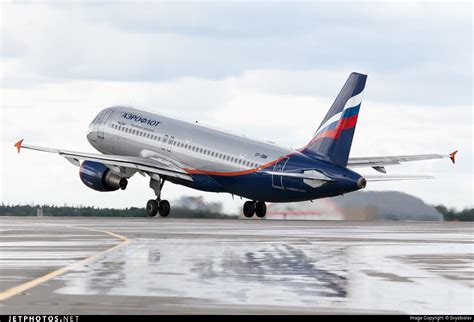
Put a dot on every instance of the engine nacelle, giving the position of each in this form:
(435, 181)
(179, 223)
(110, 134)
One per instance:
(97, 176)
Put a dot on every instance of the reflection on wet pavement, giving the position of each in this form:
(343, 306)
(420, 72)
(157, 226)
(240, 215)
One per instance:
(227, 272)
(414, 268)
(273, 273)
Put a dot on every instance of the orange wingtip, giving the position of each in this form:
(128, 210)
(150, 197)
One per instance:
(452, 156)
(18, 145)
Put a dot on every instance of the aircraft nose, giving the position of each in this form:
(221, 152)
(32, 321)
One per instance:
(361, 183)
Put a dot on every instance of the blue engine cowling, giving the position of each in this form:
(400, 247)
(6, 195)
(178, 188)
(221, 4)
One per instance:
(97, 176)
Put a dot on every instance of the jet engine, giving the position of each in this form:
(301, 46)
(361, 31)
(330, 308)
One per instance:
(97, 176)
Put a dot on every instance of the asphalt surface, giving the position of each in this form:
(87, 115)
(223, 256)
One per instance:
(77, 265)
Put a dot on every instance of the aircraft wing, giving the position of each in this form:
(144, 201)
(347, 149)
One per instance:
(142, 164)
(378, 163)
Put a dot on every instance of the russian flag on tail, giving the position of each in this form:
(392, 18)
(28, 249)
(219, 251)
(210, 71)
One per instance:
(334, 136)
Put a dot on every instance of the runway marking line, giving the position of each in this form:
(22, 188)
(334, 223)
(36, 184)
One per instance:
(37, 281)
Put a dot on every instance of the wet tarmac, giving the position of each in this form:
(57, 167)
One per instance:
(180, 266)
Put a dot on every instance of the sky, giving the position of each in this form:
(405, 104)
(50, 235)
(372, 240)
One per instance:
(269, 70)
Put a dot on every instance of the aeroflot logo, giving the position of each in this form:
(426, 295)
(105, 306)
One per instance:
(138, 118)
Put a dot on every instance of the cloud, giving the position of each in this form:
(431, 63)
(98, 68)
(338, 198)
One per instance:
(264, 70)
(424, 45)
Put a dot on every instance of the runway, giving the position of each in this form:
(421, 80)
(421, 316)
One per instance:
(75, 265)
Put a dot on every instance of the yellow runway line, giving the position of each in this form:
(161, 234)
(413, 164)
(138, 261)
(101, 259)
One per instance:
(37, 281)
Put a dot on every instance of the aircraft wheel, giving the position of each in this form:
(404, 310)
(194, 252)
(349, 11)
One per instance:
(260, 209)
(249, 209)
(152, 208)
(164, 208)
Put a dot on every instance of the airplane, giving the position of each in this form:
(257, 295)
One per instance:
(189, 154)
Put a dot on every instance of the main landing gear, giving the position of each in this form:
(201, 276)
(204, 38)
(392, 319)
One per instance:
(258, 208)
(157, 206)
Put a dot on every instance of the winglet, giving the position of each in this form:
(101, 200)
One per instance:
(18, 145)
(452, 156)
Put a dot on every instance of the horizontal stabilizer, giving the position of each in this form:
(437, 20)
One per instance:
(396, 178)
(379, 162)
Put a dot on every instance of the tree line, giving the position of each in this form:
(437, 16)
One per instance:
(451, 214)
(52, 210)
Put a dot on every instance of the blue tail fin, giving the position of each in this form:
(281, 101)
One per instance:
(334, 136)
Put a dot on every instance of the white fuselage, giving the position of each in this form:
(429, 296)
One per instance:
(199, 149)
